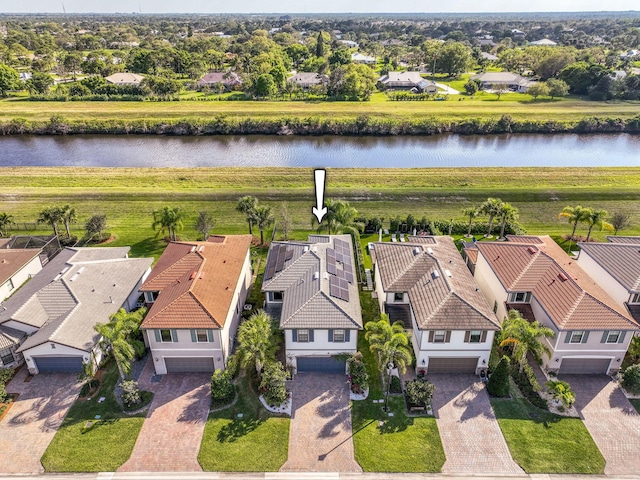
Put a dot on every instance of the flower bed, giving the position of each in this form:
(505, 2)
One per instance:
(284, 408)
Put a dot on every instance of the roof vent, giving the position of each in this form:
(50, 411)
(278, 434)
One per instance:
(562, 277)
(316, 275)
(305, 248)
(81, 269)
(57, 277)
(202, 274)
(193, 249)
(416, 251)
(531, 250)
(201, 249)
(447, 273)
(193, 275)
(435, 274)
(430, 250)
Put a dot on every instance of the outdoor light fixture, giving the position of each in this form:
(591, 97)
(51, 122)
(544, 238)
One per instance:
(618, 360)
(423, 362)
(557, 359)
(156, 359)
(484, 361)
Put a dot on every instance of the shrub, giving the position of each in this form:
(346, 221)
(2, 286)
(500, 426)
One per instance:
(358, 373)
(418, 392)
(130, 393)
(396, 385)
(631, 379)
(561, 391)
(222, 389)
(273, 386)
(88, 387)
(498, 384)
(528, 385)
(5, 375)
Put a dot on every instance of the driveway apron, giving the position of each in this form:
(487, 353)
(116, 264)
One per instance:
(29, 427)
(320, 436)
(611, 420)
(470, 434)
(170, 438)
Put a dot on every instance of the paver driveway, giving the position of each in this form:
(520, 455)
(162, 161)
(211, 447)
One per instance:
(470, 433)
(320, 436)
(29, 427)
(170, 438)
(611, 420)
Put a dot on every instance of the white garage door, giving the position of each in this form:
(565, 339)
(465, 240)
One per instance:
(452, 365)
(189, 364)
(584, 365)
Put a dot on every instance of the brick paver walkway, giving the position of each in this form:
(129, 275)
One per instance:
(169, 440)
(320, 436)
(471, 436)
(612, 421)
(29, 427)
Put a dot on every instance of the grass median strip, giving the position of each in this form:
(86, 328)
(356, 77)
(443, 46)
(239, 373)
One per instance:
(541, 442)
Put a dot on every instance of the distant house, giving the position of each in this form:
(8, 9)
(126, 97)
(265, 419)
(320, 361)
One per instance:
(517, 33)
(489, 56)
(50, 321)
(306, 80)
(361, 58)
(196, 294)
(425, 284)
(536, 277)
(485, 40)
(312, 289)
(512, 81)
(230, 80)
(407, 81)
(349, 43)
(545, 42)
(124, 78)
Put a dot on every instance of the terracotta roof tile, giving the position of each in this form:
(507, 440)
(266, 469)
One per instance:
(12, 261)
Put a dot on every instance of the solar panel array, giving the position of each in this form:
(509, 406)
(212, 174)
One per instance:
(341, 277)
(339, 288)
(277, 258)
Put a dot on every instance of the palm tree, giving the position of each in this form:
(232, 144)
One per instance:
(168, 219)
(525, 337)
(595, 218)
(561, 391)
(68, 215)
(204, 224)
(116, 336)
(5, 220)
(52, 216)
(256, 343)
(574, 215)
(247, 205)
(508, 213)
(263, 219)
(490, 207)
(471, 212)
(340, 217)
(391, 345)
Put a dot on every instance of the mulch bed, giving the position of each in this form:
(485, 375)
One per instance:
(5, 407)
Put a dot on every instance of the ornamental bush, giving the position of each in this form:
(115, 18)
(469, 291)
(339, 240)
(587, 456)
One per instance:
(272, 386)
(396, 385)
(498, 384)
(222, 389)
(358, 373)
(5, 376)
(631, 379)
(130, 393)
(418, 392)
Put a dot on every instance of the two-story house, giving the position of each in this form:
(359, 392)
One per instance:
(426, 284)
(311, 287)
(195, 295)
(535, 276)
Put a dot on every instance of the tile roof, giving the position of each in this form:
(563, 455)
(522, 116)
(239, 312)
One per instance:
(307, 302)
(12, 261)
(10, 336)
(442, 292)
(570, 297)
(197, 282)
(77, 289)
(621, 239)
(620, 260)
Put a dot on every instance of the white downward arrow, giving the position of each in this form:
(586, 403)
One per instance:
(319, 210)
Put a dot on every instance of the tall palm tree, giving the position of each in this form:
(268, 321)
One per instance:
(247, 205)
(525, 337)
(471, 212)
(116, 336)
(5, 220)
(508, 213)
(391, 345)
(68, 215)
(574, 215)
(340, 217)
(256, 344)
(52, 216)
(263, 219)
(168, 219)
(490, 207)
(595, 218)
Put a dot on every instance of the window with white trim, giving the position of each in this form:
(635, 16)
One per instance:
(398, 297)
(338, 335)
(439, 336)
(576, 337)
(303, 335)
(275, 296)
(635, 298)
(201, 336)
(150, 297)
(10, 286)
(6, 356)
(613, 336)
(520, 297)
(165, 336)
(475, 336)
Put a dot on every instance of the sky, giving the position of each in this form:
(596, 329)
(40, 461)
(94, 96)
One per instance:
(310, 6)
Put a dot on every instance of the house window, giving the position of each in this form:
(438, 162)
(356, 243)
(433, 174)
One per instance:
(10, 285)
(635, 298)
(576, 337)
(201, 336)
(439, 336)
(495, 306)
(150, 297)
(520, 297)
(303, 335)
(338, 335)
(613, 336)
(165, 336)
(475, 336)
(6, 356)
(398, 297)
(275, 296)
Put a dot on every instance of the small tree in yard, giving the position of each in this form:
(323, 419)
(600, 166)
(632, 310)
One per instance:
(419, 392)
(631, 379)
(561, 391)
(204, 224)
(358, 373)
(499, 89)
(538, 90)
(557, 88)
(620, 221)
(95, 226)
(130, 393)
(273, 386)
(498, 384)
(222, 388)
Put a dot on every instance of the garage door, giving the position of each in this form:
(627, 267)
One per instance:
(452, 365)
(58, 364)
(187, 364)
(584, 365)
(321, 364)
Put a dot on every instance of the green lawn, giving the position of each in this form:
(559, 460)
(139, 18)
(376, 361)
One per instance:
(257, 442)
(541, 442)
(636, 403)
(106, 445)
(401, 443)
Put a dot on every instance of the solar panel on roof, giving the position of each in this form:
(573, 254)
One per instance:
(288, 254)
(349, 276)
(280, 260)
(331, 268)
(338, 288)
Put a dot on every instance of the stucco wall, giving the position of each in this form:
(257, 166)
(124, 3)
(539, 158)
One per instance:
(490, 286)
(29, 270)
(610, 285)
(46, 350)
(184, 347)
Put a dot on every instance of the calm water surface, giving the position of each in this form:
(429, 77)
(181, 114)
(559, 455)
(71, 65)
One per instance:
(566, 150)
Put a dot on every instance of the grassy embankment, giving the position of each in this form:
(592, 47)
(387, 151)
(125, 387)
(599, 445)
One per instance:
(129, 196)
